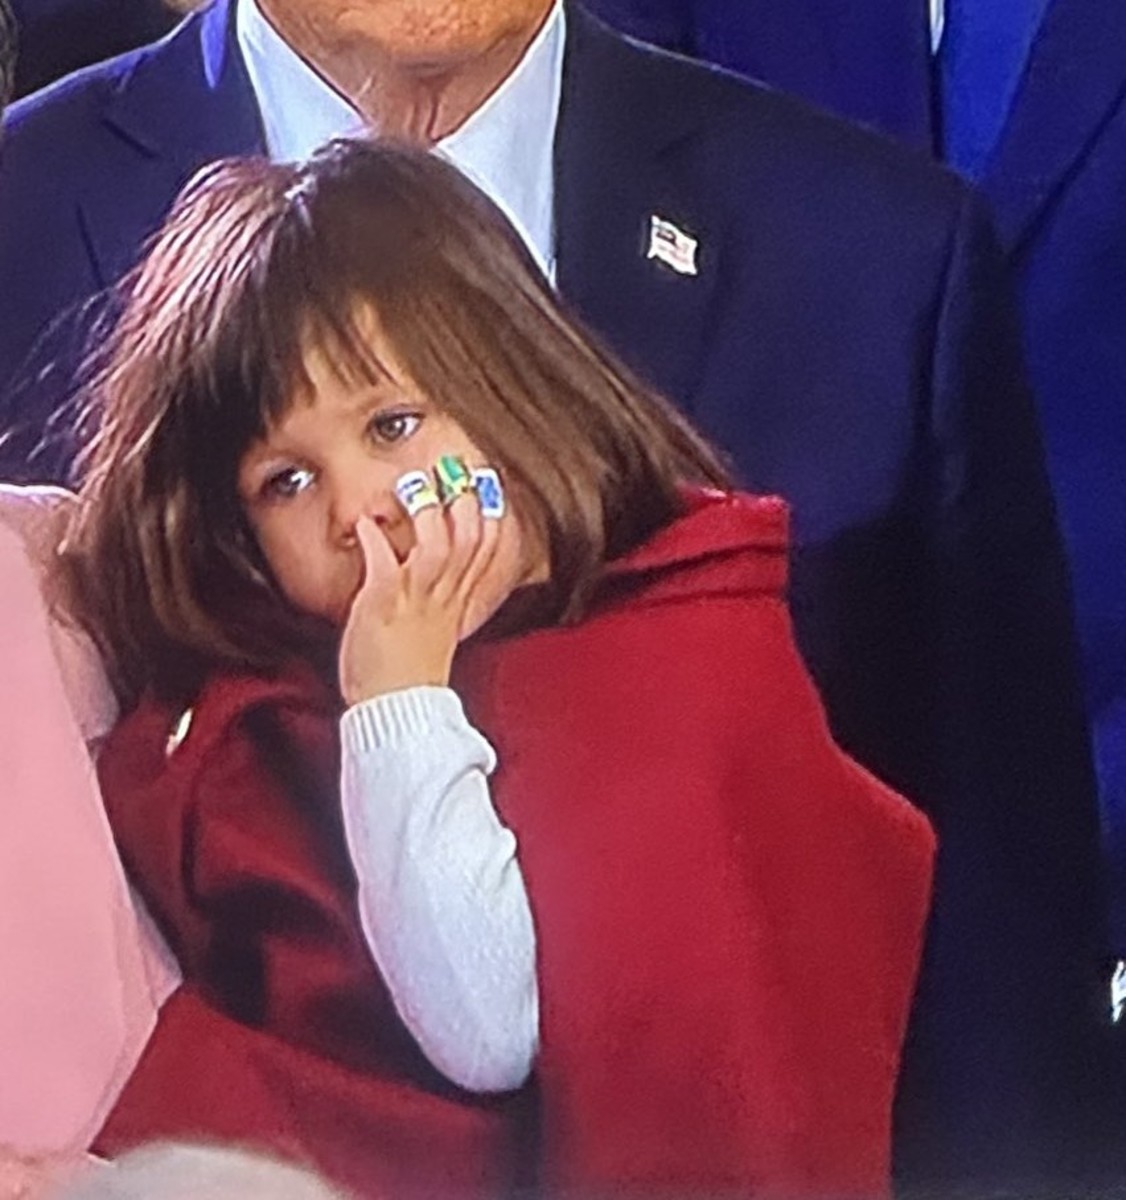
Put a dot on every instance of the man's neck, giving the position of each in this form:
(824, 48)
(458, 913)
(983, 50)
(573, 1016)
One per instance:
(419, 100)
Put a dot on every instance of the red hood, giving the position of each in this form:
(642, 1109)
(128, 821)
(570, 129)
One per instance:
(728, 542)
(725, 543)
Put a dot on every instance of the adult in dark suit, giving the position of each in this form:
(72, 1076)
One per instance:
(863, 61)
(1056, 178)
(1027, 98)
(843, 332)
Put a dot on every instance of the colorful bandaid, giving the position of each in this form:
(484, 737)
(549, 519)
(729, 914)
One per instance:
(453, 478)
(490, 493)
(416, 491)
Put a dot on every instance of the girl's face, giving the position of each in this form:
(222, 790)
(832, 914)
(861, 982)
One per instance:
(337, 457)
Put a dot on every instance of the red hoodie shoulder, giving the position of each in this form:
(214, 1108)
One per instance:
(729, 543)
(175, 782)
(159, 736)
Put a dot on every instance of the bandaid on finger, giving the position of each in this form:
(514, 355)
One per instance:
(416, 492)
(490, 492)
(453, 478)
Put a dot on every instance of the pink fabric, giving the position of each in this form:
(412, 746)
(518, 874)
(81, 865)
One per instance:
(78, 999)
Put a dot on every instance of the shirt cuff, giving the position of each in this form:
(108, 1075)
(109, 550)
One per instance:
(405, 715)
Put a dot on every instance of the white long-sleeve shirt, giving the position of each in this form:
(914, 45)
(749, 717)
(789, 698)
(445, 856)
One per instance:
(442, 901)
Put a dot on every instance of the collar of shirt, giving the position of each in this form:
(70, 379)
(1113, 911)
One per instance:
(938, 22)
(506, 147)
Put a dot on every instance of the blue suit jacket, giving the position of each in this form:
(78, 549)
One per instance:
(1057, 184)
(869, 61)
(1056, 181)
(847, 341)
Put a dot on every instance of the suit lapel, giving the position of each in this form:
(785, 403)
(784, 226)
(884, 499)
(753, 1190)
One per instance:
(1075, 77)
(184, 103)
(615, 169)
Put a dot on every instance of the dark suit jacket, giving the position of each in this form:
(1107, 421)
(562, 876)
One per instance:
(866, 61)
(1057, 184)
(59, 36)
(847, 340)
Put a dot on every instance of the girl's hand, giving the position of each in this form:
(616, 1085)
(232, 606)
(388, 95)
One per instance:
(406, 619)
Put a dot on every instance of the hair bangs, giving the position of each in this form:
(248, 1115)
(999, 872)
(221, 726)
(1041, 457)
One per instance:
(307, 294)
(262, 273)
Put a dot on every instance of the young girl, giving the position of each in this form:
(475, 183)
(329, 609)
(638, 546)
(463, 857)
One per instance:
(362, 489)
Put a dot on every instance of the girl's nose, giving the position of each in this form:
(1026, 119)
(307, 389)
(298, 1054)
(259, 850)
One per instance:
(366, 495)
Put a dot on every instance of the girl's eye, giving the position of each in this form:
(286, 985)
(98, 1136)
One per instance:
(394, 426)
(288, 483)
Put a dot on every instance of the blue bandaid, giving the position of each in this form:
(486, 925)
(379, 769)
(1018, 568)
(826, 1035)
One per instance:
(490, 492)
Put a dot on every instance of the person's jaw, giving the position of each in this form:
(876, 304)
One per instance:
(414, 81)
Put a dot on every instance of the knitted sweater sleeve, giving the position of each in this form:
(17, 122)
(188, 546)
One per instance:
(441, 896)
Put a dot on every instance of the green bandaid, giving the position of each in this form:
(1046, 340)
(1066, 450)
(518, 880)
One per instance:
(453, 478)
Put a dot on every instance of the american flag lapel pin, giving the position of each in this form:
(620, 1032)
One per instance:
(1118, 993)
(668, 243)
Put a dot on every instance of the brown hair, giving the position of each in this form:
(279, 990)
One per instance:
(255, 263)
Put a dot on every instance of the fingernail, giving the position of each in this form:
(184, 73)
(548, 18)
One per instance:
(416, 491)
(490, 492)
(453, 478)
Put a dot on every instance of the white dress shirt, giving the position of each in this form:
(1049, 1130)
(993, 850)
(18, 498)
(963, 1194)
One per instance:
(938, 22)
(506, 146)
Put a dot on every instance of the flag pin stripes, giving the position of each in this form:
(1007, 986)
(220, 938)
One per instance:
(670, 245)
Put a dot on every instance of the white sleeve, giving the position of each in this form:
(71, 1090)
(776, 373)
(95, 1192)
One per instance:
(441, 897)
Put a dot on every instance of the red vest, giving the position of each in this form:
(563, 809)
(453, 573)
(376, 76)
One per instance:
(729, 912)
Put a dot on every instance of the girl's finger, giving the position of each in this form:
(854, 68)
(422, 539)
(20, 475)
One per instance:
(381, 567)
(490, 493)
(442, 560)
(418, 494)
(490, 513)
(416, 491)
(453, 478)
(463, 518)
(426, 562)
